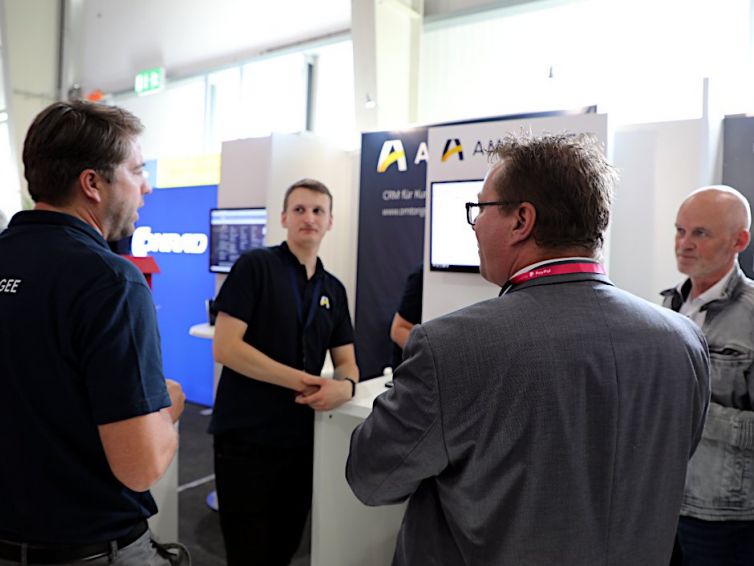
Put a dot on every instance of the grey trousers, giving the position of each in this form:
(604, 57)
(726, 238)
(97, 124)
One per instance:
(144, 551)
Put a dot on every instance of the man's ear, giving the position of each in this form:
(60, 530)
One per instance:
(90, 183)
(284, 219)
(742, 240)
(525, 218)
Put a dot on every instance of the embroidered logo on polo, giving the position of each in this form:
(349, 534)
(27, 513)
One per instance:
(324, 301)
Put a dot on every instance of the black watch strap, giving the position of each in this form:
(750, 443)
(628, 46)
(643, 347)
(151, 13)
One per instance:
(353, 386)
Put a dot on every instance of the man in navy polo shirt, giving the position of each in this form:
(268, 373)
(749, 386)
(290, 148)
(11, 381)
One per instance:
(87, 419)
(279, 314)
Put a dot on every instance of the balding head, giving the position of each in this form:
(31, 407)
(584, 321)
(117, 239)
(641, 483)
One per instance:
(724, 201)
(712, 228)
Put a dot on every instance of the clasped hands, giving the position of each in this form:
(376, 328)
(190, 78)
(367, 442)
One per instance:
(323, 394)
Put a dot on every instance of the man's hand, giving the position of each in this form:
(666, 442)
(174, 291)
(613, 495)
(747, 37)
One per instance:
(177, 399)
(308, 390)
(328, 395)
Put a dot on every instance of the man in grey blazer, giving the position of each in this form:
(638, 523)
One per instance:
(552, 424)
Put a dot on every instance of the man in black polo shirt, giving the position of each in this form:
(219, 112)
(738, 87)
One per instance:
(87, 418)
(279, 312)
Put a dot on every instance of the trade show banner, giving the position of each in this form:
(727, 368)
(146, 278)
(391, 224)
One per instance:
(391, 236)
(173, 228)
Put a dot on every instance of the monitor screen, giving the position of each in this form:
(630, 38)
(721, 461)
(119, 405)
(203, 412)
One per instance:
(232, 232)
(452, 243)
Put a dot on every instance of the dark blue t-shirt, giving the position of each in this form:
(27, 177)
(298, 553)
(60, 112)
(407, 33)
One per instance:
(79, 347)
(291, 319)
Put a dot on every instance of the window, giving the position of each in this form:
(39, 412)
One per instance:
(273, 95)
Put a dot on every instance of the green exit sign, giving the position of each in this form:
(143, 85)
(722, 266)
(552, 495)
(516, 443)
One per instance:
(151, 80)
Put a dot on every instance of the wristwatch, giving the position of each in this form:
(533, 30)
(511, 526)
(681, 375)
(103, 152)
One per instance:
(353, 386)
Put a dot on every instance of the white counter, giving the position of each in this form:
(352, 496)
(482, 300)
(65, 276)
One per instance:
(203, 330)
(346, 532)
(366, 392)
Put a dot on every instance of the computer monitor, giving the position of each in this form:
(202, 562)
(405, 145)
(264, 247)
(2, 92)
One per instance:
(232, 232)
(452, 243)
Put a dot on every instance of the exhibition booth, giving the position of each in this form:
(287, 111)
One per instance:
(196, 228)
(407, 189)
(399, 198)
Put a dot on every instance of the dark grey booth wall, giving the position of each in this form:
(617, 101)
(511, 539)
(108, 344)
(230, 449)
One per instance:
(738, 169)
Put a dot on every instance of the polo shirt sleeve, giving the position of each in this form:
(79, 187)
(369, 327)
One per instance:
(342, 333)
(238, 295)
(411, 302)
(120, 352)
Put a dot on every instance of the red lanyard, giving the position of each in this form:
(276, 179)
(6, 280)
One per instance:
(557, 269)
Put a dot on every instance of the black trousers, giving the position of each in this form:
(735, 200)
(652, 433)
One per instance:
(714, 543)
(264, 494)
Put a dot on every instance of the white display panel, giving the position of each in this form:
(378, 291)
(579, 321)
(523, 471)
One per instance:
(453, 245)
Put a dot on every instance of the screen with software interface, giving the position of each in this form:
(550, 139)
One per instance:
(232, 232)
(452, 243)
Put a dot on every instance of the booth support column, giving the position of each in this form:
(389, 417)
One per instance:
(386, 38)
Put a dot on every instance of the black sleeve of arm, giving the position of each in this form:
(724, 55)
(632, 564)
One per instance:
(120, 353)
(342, 333)
(411, 302)
(237, 296)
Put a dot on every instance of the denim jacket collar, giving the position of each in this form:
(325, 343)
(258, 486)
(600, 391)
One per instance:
(732, 289)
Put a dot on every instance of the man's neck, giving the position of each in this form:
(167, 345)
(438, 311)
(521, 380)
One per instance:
(306, 256)
(82, 214)
(701, 284)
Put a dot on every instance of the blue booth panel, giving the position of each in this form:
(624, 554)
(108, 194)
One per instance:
(173, 227)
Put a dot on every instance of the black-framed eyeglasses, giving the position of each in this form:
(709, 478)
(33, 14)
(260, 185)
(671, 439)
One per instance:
(474, 208)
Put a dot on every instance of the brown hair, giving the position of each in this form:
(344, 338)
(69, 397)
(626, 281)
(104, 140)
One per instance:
(567, 179)
(312, 185)
(68, 137)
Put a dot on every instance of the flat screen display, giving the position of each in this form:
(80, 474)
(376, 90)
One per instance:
(452, 243)
(232, 232)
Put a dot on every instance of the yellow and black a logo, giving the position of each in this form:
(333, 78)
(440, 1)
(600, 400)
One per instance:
(452, 146)
(392, 152)
(324, 301)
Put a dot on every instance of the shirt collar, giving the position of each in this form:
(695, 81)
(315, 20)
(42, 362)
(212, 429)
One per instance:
(318, 270)
(35, 217)
(713, 293)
